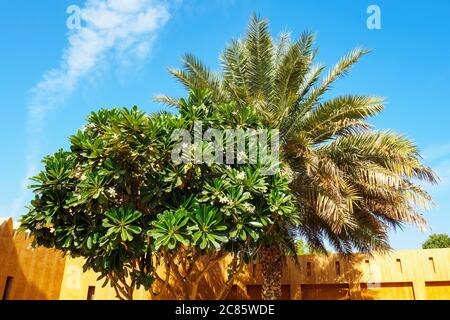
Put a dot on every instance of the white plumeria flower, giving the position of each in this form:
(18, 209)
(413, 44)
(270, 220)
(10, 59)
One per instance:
(241, 175)
(249, 207)
(112, 192)
(223, 200)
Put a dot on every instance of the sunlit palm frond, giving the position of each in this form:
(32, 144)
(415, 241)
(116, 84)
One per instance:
(259, 51)
(235, 72)
(290, 74)
(168, 101)
(309, 81)
(204, 78)
(299, 109)
(390, 150)
(336, 114)
(281, 46)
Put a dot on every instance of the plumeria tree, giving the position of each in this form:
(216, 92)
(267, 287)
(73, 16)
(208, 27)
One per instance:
(138, 218)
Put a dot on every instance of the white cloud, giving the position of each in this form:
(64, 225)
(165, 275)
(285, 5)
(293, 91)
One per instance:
(112, 30)
(438, 157)
(436, 152)
(126, 5)
(443, 171)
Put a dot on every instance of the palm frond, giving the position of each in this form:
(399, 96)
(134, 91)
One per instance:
(235, 72)
(309, 80)
(291, 73)
(168, 101)
(339, 114)
(259, 51)
(299, 109)
(281, 47)
(183, 77)
(390, 150)
(202, 76)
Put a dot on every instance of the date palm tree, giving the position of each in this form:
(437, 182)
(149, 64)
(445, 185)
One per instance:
(353, 184)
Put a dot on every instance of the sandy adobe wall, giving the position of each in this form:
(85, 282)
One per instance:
(41, 273)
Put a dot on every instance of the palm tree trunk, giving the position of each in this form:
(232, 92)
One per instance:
(272, 270)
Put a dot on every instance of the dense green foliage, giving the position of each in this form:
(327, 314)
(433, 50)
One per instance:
(117, 199)
(303, 248)
(436, 241)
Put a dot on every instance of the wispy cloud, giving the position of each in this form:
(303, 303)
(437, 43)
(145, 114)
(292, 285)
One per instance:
(436, 152)
(438, 157)
(443, 171)
(111, 30)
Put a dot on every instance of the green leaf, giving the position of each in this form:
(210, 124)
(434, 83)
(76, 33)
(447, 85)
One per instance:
(89, 243)
(124, 234)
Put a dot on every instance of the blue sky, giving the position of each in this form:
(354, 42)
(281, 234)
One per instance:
(52, 77)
